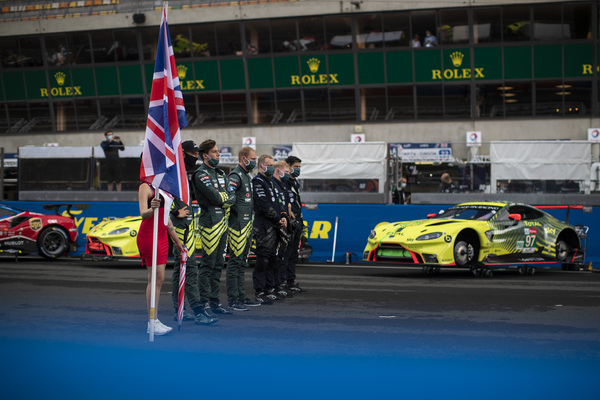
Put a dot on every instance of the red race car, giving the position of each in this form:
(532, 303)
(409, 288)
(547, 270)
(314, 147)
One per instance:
(24, 232)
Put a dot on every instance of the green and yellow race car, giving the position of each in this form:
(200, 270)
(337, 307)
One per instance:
(479, 236)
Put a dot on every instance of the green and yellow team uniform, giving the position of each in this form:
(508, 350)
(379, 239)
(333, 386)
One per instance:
(186, 230)
(240, 233)
(210, 188)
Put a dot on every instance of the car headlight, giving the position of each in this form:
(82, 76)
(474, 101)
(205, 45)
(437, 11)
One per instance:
(372, 235)
(430, 236)
(118, 231)
(489, 235)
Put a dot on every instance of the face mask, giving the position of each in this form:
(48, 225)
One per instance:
(296, 172)
(285, 177)
(403, 185)
(429, 34)
(190, 161)
(213, 162)
(110, 137)
(269, 170)
(250, 165)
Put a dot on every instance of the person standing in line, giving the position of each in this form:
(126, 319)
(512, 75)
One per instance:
(148, 203)
(240, 230)
(214, 199)
(280, 179)
(111, 146)
(268, 218)
(296, 229)
(184, 223)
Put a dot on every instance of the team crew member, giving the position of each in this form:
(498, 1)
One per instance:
(240, 230)
(211, 191)
(280, 179)
(296, 229)
(182, 217)
(268, 218)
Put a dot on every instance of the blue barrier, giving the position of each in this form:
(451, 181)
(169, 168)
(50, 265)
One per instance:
(355, 222)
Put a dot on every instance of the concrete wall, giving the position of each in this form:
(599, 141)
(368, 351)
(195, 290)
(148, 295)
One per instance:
(416, 132)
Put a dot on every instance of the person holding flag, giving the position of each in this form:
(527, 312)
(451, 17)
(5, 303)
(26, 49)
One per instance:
(162, 170)
(148, 204)
(214, 198)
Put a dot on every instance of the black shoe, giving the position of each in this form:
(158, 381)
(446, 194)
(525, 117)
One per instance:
(207, 310)
(283, 292)
(238, 306)
(273, 295)
(262, 298)
(202, 319)
(217, 308)
(249, 303)
(295, 288)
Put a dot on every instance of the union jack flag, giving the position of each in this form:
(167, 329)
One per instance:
(162, 160)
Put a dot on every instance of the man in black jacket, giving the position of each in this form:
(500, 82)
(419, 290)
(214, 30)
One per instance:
(269, 217)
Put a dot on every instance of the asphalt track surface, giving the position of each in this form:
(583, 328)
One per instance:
(76, 329)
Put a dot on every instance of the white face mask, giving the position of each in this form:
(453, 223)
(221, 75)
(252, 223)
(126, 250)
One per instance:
(110, 137)
(403, 185)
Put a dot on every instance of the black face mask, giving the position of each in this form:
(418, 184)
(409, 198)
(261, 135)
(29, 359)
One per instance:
(190, 161)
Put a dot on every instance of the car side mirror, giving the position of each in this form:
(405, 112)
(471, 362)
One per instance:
(515, 217)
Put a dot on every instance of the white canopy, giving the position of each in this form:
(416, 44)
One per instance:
(342, 160)
(541, 160)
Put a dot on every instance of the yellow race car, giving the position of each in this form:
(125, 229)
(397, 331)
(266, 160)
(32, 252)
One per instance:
(118, 237)
(479, 236)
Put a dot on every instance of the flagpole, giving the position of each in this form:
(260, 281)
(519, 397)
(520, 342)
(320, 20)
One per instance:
(153, 281)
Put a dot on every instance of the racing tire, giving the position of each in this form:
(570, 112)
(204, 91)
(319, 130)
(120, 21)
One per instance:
(464, 253)
(562, 251)
(53, 242)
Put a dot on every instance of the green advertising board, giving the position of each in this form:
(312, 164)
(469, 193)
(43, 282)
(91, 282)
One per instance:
(14, 85)
(399, 67)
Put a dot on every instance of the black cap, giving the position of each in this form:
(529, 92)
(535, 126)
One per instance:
(190, 146)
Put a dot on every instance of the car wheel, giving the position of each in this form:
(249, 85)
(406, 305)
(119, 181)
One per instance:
(53, 242)
(464, 252)
(562, 250)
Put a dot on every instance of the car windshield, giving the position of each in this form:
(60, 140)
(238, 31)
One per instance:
(473, 212)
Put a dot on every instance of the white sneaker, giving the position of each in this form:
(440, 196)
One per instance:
(159, 328)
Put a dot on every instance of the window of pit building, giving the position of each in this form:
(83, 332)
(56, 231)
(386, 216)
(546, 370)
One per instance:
(104, 46)
(401, 103)
(18, 114)
(487, 27)
(229, 41)
(557, 98)
(203, 37)
(316, 105)
(289, 104)
(39, 117)
(311, 36)
(234, 108)
(578, 18)
(423, 21)
(516, 22)
(547, 23)
(135, 115)
(183, 45)
(457, 101)
(258, 37)
(397, 25)
(126, 46)
(263, 108)
(211, 112)
(29, 52)
(338, 32)
(489, 102)
(454, 27)
(430, 102)
(518, 99)
(373, 104)
(11, 55)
